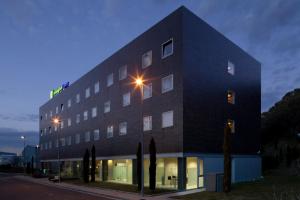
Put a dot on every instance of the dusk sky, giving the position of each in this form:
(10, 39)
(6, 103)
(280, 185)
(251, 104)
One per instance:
(44, 43)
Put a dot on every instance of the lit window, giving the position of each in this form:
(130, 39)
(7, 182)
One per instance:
(46, 116)
(45, 131)
(55, 128)
(85, 115)
(147, 91)
(77, 118)
(167, 48)
(94, 112)
(110, 132)
(50, 145)
(123, 128)
(167, 83)
(56, 110)
(96, 87)
(69, 103)
(77, 98)
(231, 125)
(62, 124)
(110, 80)
(63, 142)
(107, 107)
(87, 92)
(126, 99)
(77, 138)
(51, 114)
(147, 59)
(231, 97)
(123, 72)
(96, 134)
(69, 122)
(87, 136)
(230, 68)
(61, 107)
(69, 140)
(147, 126)
(167, 119)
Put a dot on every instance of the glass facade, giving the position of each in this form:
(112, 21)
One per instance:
(120, 171)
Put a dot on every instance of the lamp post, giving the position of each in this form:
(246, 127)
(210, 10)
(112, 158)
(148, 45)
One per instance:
(139, 83)
(56, 122)
(23, 138)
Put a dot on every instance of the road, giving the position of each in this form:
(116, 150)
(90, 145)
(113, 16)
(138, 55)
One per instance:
(16, 189)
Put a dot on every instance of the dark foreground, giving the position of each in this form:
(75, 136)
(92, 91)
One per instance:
(15, 189)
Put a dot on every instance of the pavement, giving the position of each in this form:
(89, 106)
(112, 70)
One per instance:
(65, 189)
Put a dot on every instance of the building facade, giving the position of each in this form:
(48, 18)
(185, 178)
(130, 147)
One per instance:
(195, 82)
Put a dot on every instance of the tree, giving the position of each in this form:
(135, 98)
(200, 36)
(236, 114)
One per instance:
(152, 167)
(227, 159)
(93, 168)
(86, 165)
(139, 166)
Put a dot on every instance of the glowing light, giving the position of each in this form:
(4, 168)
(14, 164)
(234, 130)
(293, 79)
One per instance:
(139, 81)
(22, 137)
(56, 121)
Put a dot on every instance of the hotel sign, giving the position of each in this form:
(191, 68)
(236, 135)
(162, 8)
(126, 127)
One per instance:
(59, 89)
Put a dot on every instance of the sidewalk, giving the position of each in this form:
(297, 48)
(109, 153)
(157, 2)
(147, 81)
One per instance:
(107, 193)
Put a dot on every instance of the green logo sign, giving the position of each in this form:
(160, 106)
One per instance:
(58, 90)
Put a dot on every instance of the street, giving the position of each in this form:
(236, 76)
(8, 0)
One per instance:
(15, 189)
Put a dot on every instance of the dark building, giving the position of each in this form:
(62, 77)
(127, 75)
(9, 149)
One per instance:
(195, 81)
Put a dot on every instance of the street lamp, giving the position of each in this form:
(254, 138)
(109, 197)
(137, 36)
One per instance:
(23, 138)
(139, 83)
(56, 123)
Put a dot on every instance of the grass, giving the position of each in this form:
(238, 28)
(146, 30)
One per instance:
(269, 188)
(118, 186)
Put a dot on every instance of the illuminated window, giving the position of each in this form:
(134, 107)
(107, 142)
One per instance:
(230, 68)
(147, 91)
(231, 125)
(77, 118)
(69, 103)
(87, 136)
(56, 110)
(107, 107)
(231, 97)
(45, 131)
(110, 80)
(110, 131)
(123, 128)
(96, 134)
(85, 115)
(69, 140)
(63, 142)
(147, 123)
(77, 138)
(51, 114)
(87, 92)
(55, 128)
(94, 112)
(126, 99)
(167, 83)
(62, 124)
(69, 122)
(46, 116)
(96, 87)
(77, 98)
(123, 72)
(167, 48)
(147, 59)
(167, 119)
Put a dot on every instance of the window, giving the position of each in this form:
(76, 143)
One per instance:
(55, 128)
(147, 91)
(167, 83)
(62, 124)
(96, 87)
(77, 138)
(126, 99)
(46, 115)
(77, 118)
(231, 97)
(94, 112)
(167, 48)
(63, 142)
(87, 93)
(77, 98)
(69, 103)
(110, 132)
(50, 129)
(56, 143)
(56, 110)
(69, 140)
(167, 119)
(87, 136)
(231, 125)
(147, 59)
(41, 117)
(69, 122)
(46, 146)
(41, 132)
(147, 123)
(230, 68)
(96, 134)
(61, 107)
(123, 72)
(123, 128)
(45, 131)
(110, 80)
(85, 115)
(50, 145)
(51, 114)
(107, 107)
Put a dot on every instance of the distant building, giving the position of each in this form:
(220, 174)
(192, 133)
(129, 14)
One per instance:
(30, 153)
(8, 158)
(196, 82)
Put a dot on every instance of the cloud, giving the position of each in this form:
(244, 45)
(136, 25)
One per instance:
(20, 118)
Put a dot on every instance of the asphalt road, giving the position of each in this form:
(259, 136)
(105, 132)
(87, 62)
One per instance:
(15, 189)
